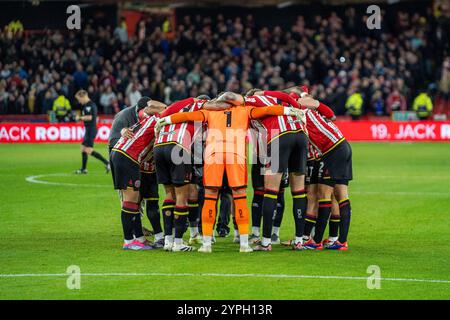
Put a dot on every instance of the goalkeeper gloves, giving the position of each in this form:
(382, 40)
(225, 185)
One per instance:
(161, 123)
(298, 113)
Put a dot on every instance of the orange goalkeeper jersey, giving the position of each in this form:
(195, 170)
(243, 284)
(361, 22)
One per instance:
(227, 129)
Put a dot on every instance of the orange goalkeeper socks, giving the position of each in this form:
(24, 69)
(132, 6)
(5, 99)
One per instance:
(209, 212)
(241, 213)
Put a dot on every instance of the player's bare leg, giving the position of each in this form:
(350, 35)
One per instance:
(242, 217)
(131, 221)
(299, 202)
(195, 236)
(181, 212)
(209, 212)
(167, 213)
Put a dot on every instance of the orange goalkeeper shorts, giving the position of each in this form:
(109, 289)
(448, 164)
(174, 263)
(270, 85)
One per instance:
(218, 164)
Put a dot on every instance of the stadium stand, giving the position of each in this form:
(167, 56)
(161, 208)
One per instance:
(203, 51)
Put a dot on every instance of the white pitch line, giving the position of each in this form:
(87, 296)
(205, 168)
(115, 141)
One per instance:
(34, 179)
(226, 275)
(400, 193)
(405, 177)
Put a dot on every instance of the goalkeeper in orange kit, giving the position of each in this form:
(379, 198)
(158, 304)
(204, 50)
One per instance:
(226, 155)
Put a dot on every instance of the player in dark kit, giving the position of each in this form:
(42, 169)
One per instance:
(89, 117)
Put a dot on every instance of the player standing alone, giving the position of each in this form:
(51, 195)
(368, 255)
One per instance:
(89, 117)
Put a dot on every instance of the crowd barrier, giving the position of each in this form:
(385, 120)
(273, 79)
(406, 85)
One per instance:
(21, 132)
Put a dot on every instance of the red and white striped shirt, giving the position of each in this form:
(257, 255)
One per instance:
(324, 135)
(140, 147)
(180, 133)
(272, 126)
(313, 152)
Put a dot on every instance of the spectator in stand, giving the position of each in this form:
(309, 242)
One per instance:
(47, 103)
(377, 103)
(15, 27)
(107, 100)
(121, 31)
(3, 97)
(146, 91)
(395, 102)
(178, 92)
(444, 85)
(80, 78)
(208, 54)
(157, 88)
(133, 93)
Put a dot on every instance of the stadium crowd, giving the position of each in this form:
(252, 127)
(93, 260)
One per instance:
(348, 66)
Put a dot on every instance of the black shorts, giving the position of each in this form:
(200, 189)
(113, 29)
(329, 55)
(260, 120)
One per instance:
(258, 177)
(197, 174)
(312, 175)
(89, 137)
(173, 165)
(337, 165)
(288, 153)
(125, 172)
(149, 186)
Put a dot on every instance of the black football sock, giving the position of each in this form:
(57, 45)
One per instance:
(193, 213)
(334, 226)
(310, 222)
(201, 200)
(269, 208)
(152, 210)
(180, 218)
(98, 156)
(322, 219)
(129, 211)
(345, 211)
(84, 158)
(299, 203)
(167, 213)
(127, 225)
(257, 208)
(137, 226)
(280, 210)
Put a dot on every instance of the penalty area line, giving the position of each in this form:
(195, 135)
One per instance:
(220, 275)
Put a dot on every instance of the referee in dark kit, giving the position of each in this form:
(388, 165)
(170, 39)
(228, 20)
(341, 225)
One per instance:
(89, 117)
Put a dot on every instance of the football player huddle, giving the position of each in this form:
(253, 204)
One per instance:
(197, 148)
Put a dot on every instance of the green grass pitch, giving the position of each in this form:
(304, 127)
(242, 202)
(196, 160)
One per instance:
(401, 222)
